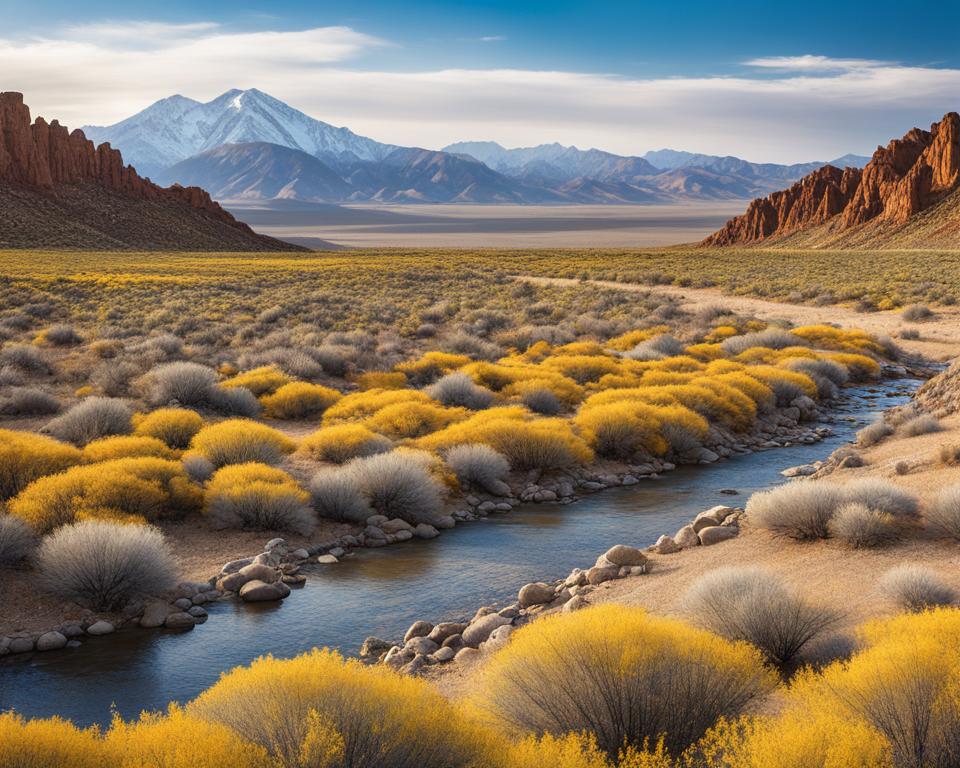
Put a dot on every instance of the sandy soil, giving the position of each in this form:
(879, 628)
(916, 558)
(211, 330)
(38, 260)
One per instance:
(940, 336)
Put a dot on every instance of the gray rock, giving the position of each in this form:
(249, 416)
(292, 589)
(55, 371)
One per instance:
(575, 603)
(403, 535)
(480, 629)
(444, 522)
(395, 526)
(180, 620)
(424, 531)
(536, 593)
(706, 456)
(199, 599)
(376, 520)
(599, 575)
(300, 554)
(467, 655)
(259, 572)
(622, 554)
(418, 629)
(454, 641)
(665, 546)
(396, 657)
(260, 591)
(275, 544)
(101, 628)
(422, 646)
(446, 629)
(686, 537)
(51, 641)
(4, 646)
(799, 471)
(186, 589)
(374, 648)
(200, 614)
(498, 639)
(21, 644)
(154, 614)
(71, 630)
(235, 565)
(444, 654)
(183, 603)
(717, 533)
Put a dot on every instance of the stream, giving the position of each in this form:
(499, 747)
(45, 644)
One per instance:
(382, 591)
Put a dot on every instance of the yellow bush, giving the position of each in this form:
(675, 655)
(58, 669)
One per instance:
(843, 340)
(431, 366)
(860, 367)
(341, 442)
(582, 368)
(24, 457)
(506, 379)
(51, 743)
(776, 378)
(381, 380)
(299, 400)
(143, 486)
(264, 380)
(236, 441)
(705, 352)
(571, 750)
(622, 430)
(361, 405)
(546, 443)
(413, 419)
(299, 705)
(742, 381)
(259, 497)
(175, 740)
(720, 333)
(628, 677)
(175, 426)
(123, 446)
(630, 339)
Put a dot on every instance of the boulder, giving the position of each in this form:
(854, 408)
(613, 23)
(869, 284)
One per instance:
(446, 629)
(421, 646)
(598, 575)
(154, 614)
(717, 533)
(424, 531)
(444, 522)
(100, 628)
(21, 644)
(536, 593)
(498, 638)
(467, 655)
(257, 591)
(259, 572)
(454, 641)
(200, 614)
(395, 526)
(665, 546)
(418, 629)
(374, 648)
(180, 620)
(444, 654)
(686, 537)
(480, 629)
(300, 554)
(575, 603)
(51, 641)
(183, 603)
(622, 554)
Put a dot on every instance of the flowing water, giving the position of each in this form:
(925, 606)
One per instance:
(382, 591)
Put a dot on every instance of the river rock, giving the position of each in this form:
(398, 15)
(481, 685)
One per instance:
(576, 578)
(717, 533)
(259, 572)
(418, 629)
(21, 644)
(480, 629)
(799, 471)
(183, 603)
(686, 537)
(575, 603)
(444, 654)
(706, 456)
(374, 648)
(422, 646)
(100, 628)
(424, 531)
(51, 641)
(598, 575)
(180, 620)
(498, 639)
(273, 544)
(257, 591)
(396, 657)
(536, 593)
(454, 641)
(231, 582)
(300, 554)
(200, 614)
(621, 554)
(395, 525)
(154, 614)
(665, 546)
(444, 522)
(446, 629)
(467, 655)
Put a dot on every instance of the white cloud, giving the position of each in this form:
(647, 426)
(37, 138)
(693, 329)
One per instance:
(493, 38)
(800, 108)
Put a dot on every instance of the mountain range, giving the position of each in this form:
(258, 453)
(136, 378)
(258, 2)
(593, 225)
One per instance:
(248, 145)
(907, 196)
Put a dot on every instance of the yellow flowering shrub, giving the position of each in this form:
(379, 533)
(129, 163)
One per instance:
(630, 339)
(412, 419)
(572, 750)
(51, 743)
(175, 426)
(339, 443)
(299, 400)
(381, 380)
(259, 497)
(236, 441)
(361, 405)
(431, 365)
(582, 368)
(123, 446)
(24, 457)
(500, 378)
(264, 380)
(622, 430)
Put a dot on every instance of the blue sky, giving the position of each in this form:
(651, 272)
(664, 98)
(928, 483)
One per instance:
(751, 78)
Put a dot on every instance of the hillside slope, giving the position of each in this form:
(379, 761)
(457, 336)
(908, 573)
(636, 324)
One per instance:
(58, 190)
(905, 197)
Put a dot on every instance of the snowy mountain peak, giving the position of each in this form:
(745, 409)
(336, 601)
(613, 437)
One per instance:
(177, 127)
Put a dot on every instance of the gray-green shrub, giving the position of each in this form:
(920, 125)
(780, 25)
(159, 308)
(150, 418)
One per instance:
(90, 419)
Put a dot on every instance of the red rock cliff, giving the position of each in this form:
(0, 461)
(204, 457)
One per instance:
(901, 179)
(45, 155)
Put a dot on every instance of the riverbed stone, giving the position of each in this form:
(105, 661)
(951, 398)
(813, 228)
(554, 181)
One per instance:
(665, 545)
(154, 614)
(467, 655)
(199, 613)
(622, 554)
(183, 603)
(575, 603)
(454, 641)
(686, 537)
(403, 535)
(300, 554)
(480, 629)
(374, 647)
(21, 644)
(598, 575)
(536, 593)
(71, 630)
(51, 641)
(418, 629)
(717, 533)
(445, 629)
(444, 522)
(444, 654)
(425, 531)
(257, 591)
(180, 620)
(327, 559)
(422, 646)
(395, 525)
(498, 639)
(259, 572)
(100, 627)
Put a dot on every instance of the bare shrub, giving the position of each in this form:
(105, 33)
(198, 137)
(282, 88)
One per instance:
(902, 467)
(873, 433)
(756, 605)
(25, 358)
(772, 338)
(114, 378)
(828, 375)
(542, 401)
(335, 495)
(10, 376)
(28, 401)
(663, 345)
(104, 566)
(61, 335)
(235, 401)
(924, 424)
(181, 382)
(199, 468)
(398, 484)
(17, 539)
(862, 527)
(943, 513)
(332, 359)
(882, 496)
(917, 313)
(950, 454)
(800, 509)
(909, 334)
(92, 418)
(915, 588)
(458, 389)
(481, 466)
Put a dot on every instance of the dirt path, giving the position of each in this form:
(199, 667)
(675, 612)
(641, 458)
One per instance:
(939, 336)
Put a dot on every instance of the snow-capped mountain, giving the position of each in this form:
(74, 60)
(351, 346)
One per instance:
(176, 128)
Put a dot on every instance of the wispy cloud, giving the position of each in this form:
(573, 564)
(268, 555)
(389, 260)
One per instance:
(493, 38)
(787, 108)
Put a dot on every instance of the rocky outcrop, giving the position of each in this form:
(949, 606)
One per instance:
(903, 179)
(42, 157)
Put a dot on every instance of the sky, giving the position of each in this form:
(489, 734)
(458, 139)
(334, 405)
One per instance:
(766, 81)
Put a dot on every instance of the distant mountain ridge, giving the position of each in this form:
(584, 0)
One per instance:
(247, 145)
(908, 195)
